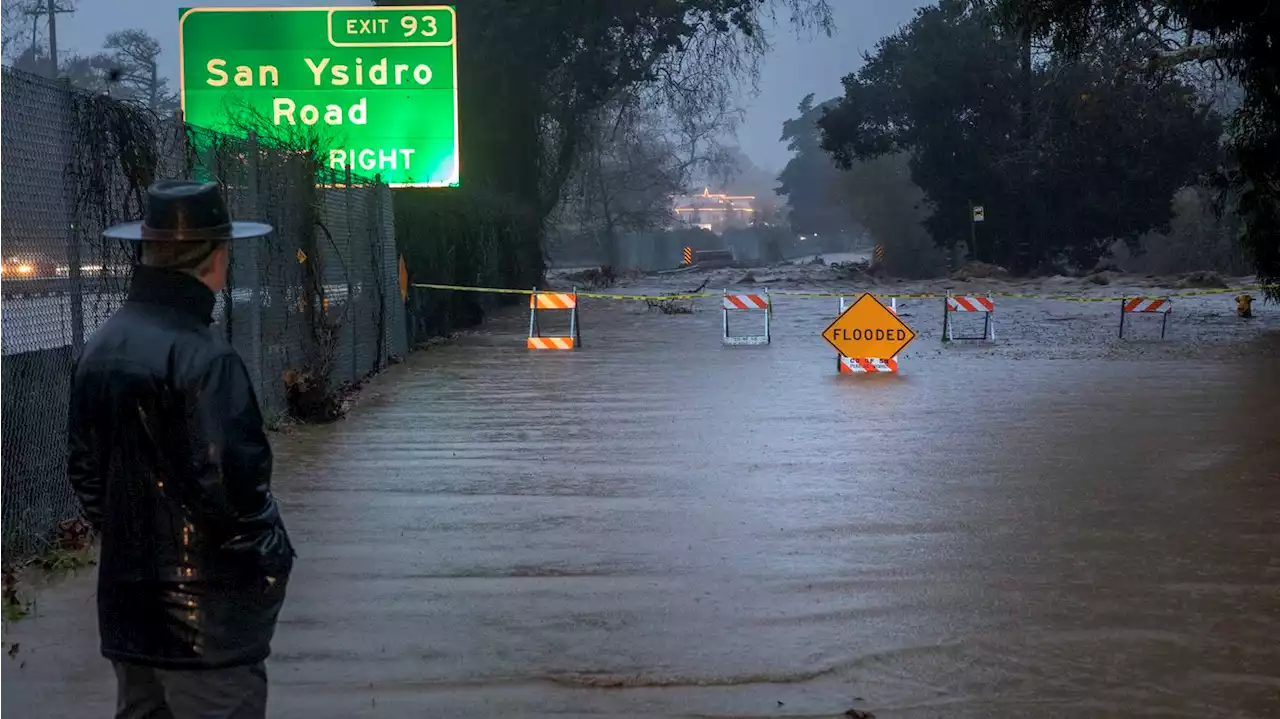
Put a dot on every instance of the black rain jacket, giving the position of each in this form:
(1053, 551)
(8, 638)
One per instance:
(169, 458)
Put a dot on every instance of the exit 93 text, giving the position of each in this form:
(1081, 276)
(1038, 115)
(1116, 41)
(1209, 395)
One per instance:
(399, 26)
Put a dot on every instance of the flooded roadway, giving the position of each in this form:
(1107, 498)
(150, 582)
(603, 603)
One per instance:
(1059, 526)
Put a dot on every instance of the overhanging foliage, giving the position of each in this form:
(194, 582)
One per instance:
(1084, 153)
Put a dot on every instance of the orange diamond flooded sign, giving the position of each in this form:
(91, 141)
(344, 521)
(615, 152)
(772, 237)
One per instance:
(868, 329)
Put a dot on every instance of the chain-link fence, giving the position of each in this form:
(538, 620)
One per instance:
(311, 307)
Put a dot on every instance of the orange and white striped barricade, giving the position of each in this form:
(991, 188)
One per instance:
(1146, 305)
(866, 365)
(554, 301)
(748, 303)
(957, 303)
(860, 365)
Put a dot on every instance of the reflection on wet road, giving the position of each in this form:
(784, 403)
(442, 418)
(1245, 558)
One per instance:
(659, 526)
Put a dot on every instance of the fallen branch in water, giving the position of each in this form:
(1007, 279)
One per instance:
(700, 287)
(670, 306)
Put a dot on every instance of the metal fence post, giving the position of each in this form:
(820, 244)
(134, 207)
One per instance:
(351, 295)
(184, 145)
(379, 266)
(228, 304)
(255, 212)
(75, 238)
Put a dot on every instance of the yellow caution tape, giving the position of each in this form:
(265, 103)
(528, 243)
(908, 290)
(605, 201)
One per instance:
(646, 298)
(814, 295)
(851, 293)
(1067, 298)
(595, 295)
(1019, 295)
(462, 288)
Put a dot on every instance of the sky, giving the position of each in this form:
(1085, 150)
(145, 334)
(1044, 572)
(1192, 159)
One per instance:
(797, 65)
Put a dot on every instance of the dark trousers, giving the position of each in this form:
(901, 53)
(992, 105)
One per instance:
(233, 693)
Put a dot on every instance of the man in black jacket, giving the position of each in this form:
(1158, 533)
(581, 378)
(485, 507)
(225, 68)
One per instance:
(169, 459)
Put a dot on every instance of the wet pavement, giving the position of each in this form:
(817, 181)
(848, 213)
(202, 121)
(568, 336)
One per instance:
(1060, 525)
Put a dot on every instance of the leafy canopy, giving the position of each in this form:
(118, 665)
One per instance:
(1238, 41)
(1101, 154)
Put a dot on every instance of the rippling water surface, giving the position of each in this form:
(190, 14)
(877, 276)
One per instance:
(1058, 526)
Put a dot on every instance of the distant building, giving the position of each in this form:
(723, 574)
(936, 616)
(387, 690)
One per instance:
(716, 213)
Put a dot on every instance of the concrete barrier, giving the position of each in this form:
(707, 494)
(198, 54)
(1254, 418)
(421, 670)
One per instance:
(711, 259)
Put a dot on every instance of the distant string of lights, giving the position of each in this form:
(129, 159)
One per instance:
(21, 268)
(720, 199)
(14, 268)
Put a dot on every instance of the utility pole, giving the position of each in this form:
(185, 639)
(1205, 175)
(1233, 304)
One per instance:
(1022, 249)
(51, 9)
(53, 38)
(155, 82)
(973, 235)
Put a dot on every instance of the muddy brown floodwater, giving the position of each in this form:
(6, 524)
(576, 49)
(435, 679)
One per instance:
(1061, 525)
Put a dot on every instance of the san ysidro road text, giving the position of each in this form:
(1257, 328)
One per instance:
(324, 73)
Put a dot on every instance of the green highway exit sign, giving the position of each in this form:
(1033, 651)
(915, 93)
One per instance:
(378, 86)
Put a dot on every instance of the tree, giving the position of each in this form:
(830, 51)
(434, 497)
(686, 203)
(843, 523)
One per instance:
(34, 59)
(1198, 239)
(127, 71)
(133, 57)
(537, 76)
(1104, 152)
(628, 170)
(15, 25)
(543, 71)
(879, 195)
(1232, 40)
(876, 196)
(809, 179)
(688, 49)
(91, 73)
(641, 149)
(740, 176)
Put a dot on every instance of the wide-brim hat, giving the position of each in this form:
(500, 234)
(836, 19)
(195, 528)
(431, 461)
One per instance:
(186, 211)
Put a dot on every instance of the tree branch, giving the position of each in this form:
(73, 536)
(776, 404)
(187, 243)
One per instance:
(1167, 59)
